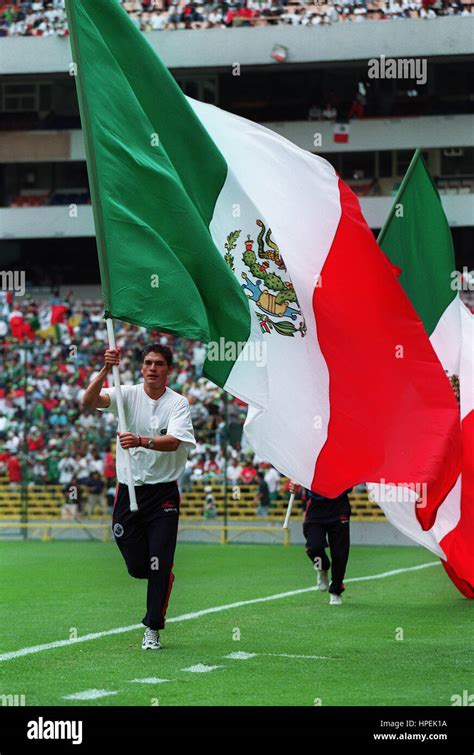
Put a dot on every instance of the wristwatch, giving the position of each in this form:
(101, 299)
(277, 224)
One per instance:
(150, 444)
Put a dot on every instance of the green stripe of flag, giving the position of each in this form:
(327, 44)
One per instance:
(155, 176)
(416, 237)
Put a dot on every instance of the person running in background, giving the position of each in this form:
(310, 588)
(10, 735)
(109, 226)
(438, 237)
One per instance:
(326, 521)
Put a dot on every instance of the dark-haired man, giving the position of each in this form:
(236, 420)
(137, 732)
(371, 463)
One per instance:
(159, 436)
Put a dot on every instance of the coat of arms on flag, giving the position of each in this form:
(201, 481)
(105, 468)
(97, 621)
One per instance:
(266, 284)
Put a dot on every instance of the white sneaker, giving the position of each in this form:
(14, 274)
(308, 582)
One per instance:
(335, 600)
(151, 639)
(322, 580)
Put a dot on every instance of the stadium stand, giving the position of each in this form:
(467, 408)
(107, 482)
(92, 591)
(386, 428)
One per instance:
(48, 18)
(49, 350)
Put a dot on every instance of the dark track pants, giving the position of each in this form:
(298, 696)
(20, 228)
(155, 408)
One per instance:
(147, 541)
(336, 533)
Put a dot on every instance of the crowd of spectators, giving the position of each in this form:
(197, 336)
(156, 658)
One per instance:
(49, 351)
(47, 17)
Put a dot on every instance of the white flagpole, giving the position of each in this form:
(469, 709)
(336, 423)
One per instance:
(121, 416)
(288, 511)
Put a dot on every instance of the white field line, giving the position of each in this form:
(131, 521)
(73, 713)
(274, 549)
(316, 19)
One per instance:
(201, 668)
(310, 657)
(90, 694)
(242, 656)
(197, 614)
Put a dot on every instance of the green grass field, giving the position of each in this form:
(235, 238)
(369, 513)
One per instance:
(52, 589)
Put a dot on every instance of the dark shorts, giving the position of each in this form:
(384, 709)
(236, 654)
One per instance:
(147, 541)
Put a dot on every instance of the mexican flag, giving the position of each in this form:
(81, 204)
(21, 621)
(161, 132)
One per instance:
(341, 133)
(51, 317)
(214, 228)
(417, 239)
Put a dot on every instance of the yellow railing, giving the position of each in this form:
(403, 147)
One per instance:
(224, 533)
(47, 528)
(46, 502)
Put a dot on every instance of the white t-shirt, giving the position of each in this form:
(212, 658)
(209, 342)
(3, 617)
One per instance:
(168, 415)
(233, 473)
(158, 22)
(272, 478)
(67, 467)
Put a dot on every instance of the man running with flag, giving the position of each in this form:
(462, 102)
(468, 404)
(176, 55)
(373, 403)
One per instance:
(160, 434)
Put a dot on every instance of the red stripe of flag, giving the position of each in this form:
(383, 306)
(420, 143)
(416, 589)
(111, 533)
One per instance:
(392, 418)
